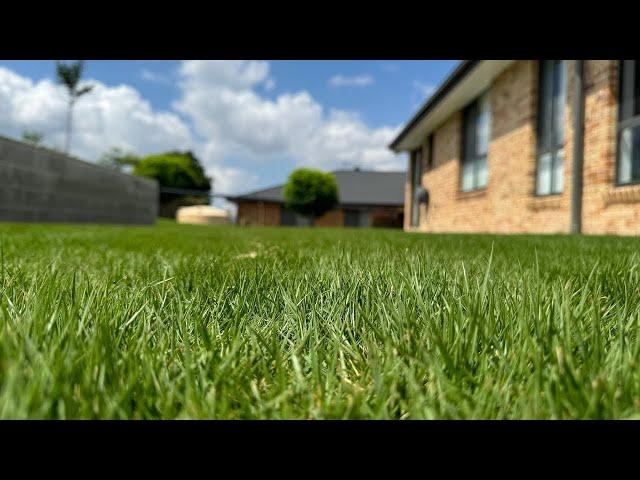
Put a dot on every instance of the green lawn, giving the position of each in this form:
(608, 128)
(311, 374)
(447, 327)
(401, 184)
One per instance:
(203, 322)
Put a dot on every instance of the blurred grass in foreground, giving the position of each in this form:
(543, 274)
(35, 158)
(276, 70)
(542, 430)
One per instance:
(179, 321)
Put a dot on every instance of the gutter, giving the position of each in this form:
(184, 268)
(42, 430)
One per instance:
(452, 80)
(578, 146)
(339, 205)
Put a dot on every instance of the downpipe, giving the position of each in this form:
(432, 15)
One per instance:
(578, 146)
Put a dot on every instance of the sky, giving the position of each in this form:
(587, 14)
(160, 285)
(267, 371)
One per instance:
(249, 122)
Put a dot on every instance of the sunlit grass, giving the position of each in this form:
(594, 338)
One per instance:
(222, 322)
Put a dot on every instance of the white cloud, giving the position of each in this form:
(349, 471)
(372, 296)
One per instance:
(107, 117)
(354, 81)
(231, 180)
(222, 100)
(424, 89)
(270, 84)
(155, 77)
(236, 74)
(343, 139)
(222, 113)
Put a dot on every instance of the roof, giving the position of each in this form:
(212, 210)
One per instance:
(468, 80)
(355, 187)
(451, 81)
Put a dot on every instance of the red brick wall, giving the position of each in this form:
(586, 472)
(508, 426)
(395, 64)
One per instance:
(333, 218)
(258, 213)
(509, 203)
(387, 217)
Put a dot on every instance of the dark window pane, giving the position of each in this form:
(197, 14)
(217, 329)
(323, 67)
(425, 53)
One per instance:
(545, 105)
(559, 97)
(482, 172)
(629, 130)
(287, 217)
(302, 221)
(483, 126)
(469, 133)
(475, 144)
(551, 125)
(429, 152)
(417, 167)
(629, 154)
(543, 180)
(627, 89)
(364, 218)
(350, 218)
(636, 88)
(558, 172)
(635, 156)
(476, 135)
(467, 180)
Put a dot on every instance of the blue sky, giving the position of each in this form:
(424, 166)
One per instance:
(250, 122)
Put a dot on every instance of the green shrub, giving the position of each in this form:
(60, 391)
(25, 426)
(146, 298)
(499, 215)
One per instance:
(174, 169)
(118, 159)
(310, 192)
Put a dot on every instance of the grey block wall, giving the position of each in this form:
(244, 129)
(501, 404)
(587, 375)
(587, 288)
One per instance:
(41, 185)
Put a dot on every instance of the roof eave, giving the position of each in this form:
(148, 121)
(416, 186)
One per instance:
(451, 81)
(340, 204)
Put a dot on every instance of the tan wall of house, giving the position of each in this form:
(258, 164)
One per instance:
(333, 218)
(406, 223)
(509, 203)
(607, 208)
(258, 213)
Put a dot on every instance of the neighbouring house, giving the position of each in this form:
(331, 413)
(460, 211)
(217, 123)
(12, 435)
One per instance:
(540, 146)
(367, 199)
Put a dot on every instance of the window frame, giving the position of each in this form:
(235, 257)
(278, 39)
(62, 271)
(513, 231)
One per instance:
(554, 146)
(464, 147)
(416, 161)
(429, 156)
(632, 122)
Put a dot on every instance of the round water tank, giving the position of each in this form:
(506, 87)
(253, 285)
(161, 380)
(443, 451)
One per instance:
(202, 215)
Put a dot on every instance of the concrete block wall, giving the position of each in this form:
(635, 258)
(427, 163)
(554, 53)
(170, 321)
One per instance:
(42, 185)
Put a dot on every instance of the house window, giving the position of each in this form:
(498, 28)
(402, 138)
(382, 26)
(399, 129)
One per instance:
(429, 159)
(476, 136)
(416, 175)
(629, 123)
(551, 114)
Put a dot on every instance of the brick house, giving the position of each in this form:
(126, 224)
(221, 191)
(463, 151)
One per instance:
(366, 199)
(497, 147)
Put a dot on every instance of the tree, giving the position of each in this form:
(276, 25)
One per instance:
(310, 192)
(177, 170)
(32, 137)
(119, 160)
(69, 76)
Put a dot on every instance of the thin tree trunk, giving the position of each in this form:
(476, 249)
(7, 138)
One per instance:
(69, 120)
